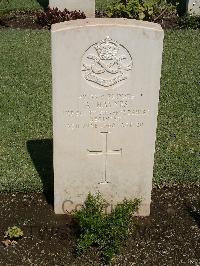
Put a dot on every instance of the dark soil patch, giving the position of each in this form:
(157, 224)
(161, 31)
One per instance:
(20, 20)
(170, 236)
(28, 20)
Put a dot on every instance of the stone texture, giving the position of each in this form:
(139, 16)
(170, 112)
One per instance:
(193, 7)
(106, 80)
(87, 6)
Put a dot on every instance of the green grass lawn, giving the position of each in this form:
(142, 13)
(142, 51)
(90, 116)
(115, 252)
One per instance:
(177, 151)
(23, 5)
(25, 103)
(25, 80)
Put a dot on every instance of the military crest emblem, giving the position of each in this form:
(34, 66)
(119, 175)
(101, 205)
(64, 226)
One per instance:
(106, 64)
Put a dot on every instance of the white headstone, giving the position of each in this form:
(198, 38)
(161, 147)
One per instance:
(86, 6)
(194, 7)
(106, 80)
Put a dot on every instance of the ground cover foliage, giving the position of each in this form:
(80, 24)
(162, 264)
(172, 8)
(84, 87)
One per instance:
(106, 230)
(52, 16)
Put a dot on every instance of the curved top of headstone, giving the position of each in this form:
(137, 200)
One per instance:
(105, 21)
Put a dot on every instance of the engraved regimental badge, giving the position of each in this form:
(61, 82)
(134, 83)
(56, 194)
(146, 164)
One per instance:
(106, 64)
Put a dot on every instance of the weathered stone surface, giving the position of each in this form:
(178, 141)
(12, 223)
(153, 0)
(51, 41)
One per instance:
(87, 6)
(193, 7)
(106, 80)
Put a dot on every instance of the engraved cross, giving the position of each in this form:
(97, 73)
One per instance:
(105, 152)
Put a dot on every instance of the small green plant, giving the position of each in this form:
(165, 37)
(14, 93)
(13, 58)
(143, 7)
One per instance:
(151, 10)
(11, 236)
(107, 231)
(13, 233)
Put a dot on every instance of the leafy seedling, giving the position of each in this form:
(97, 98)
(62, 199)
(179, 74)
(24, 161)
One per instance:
(12, 235)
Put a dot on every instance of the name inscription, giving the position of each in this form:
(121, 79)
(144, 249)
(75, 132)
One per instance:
(106, 111)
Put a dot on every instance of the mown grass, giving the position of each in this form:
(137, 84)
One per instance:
(22, 5)
(25, 106)
(177, 152)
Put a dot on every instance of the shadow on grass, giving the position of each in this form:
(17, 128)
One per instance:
(41, 152)
(43, 3)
